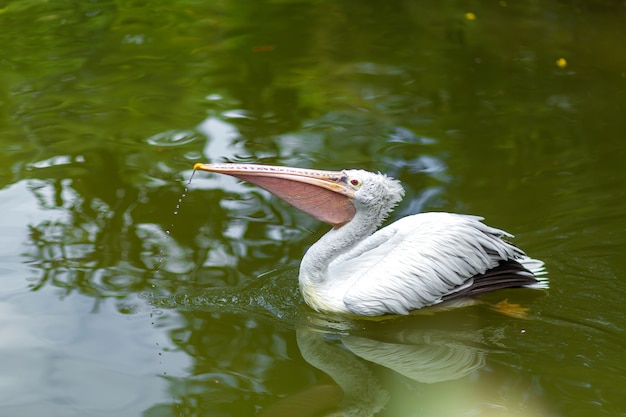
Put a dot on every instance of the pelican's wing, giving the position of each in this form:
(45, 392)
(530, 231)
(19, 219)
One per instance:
(421, 260)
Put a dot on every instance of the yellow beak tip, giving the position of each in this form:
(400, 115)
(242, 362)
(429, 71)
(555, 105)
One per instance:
(197, 166)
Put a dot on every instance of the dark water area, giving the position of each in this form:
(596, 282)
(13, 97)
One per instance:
(130, 290)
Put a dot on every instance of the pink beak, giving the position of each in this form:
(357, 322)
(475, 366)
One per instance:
(322, 195)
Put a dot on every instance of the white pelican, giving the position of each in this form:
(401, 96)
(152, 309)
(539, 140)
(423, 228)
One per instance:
(417, 261)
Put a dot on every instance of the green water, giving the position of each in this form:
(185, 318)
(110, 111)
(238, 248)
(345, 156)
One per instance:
(128, 291)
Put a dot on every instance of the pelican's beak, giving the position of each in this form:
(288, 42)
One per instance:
(323, 195)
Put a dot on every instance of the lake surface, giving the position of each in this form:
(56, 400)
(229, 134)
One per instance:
(128, 290)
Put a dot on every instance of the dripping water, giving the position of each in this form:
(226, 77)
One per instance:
(151, 296)
(168, 233)
(178, 205)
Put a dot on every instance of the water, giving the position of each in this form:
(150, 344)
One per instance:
(128, 290)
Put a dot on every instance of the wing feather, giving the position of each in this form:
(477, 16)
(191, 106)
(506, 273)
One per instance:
(419, 260)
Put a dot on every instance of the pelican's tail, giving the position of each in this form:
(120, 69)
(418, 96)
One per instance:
(537, 268)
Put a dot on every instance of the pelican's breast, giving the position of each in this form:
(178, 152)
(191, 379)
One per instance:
(323, 298)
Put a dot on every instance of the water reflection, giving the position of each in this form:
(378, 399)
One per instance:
(423, 355)
(362, 393)
(431, 347)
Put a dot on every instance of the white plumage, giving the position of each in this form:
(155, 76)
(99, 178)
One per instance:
(417, 261)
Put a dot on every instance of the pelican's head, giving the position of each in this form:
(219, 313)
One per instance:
(333, 197)
(375, 194)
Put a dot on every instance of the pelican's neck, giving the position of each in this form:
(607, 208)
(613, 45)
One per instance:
(336, 242)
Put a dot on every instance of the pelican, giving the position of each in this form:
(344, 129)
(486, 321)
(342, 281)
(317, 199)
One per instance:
(418, 261)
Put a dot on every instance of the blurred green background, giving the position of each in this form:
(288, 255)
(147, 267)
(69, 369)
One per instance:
(129, 290)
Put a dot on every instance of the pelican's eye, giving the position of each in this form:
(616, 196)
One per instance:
(355, 183)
